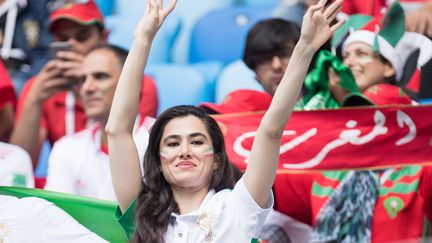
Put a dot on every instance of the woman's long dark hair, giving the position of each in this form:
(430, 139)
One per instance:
(156, 201)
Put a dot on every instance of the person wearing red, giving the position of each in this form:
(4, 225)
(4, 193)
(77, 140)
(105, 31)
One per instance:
(7, 104)
(49, 106)
(418, 15)
(366, 205)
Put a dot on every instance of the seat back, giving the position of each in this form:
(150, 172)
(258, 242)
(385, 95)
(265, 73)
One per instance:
(220, 35)
(122, 29)
(178, 85)
(233, 77)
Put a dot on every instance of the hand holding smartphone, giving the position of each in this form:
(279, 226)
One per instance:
(55, 47)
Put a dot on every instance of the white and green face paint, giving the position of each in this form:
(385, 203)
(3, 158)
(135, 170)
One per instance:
(208, 151)
(163, 155)
(363, 54)
(365, 59)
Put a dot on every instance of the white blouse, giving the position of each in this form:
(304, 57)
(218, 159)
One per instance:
(226, 216)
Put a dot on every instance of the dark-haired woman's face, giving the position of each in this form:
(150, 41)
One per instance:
(366, 65)
(186, 154)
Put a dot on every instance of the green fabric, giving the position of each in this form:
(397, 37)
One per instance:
(319, 95)
(354, 22)
(321, 191)
(393, 24)
(94, 214)
(127, 220)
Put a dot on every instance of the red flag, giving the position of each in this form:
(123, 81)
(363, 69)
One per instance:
(357, 138)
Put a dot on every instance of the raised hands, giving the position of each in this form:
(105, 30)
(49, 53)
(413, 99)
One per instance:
(153, 18)
(316, 28)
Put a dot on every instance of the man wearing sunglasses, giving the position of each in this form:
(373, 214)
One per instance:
(49, 105)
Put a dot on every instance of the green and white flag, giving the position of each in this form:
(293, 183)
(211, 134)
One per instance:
(94, 214)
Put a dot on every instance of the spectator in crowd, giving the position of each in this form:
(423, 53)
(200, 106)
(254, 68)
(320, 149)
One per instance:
(78, 163)
(15, 166)
(268, 49)
(418, 12)
(278, 227)
(37, 220)
(186, 187)
(418, 19)
(7, 104)
(333, 212)
(378, 58)
(48, 108)
(24, 38)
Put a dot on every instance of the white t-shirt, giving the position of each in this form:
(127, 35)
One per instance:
(32, 219)
(15, 166)
(226, 216)
(77, 165)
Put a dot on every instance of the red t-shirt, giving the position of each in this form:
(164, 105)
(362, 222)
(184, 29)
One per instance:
(301, 196)
(7, 92)
(53, 116)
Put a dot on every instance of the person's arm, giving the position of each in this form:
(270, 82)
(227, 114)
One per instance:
(27, 132)
(123, 154)
(263, 161)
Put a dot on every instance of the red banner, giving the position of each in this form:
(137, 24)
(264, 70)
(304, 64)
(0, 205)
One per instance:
(339, 139)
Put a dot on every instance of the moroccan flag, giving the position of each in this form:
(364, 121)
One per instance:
(96, 215)
(356, 138)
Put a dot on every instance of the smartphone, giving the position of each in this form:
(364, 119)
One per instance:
(55, 47)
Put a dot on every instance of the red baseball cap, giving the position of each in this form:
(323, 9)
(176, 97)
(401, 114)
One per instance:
(242, 100)
(84, 12)
(387, 94)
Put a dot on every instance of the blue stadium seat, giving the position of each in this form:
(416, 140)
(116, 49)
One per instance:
(255, 2)
(129, 7)
(178, 85)
(210, 70)
(122, 28)
(233, 77)
(426, 101)
(42, 166)
(106, 6)
(220, 34)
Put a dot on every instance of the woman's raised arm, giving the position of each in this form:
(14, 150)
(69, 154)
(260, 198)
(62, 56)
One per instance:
(123, 155)
(264, 157)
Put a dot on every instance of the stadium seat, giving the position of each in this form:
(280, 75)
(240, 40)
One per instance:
(220, 34)
(190, 11)
(233, 77)
(121, 33)
(210, 70)
(129, 7)
(426, 101)
(42, 166)
(106, 6)
(255, 2)
(178, 85)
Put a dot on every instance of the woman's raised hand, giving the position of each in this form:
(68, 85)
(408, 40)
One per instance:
(153, 18)
(316, 28)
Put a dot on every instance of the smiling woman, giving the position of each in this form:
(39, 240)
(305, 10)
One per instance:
(185, 193)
